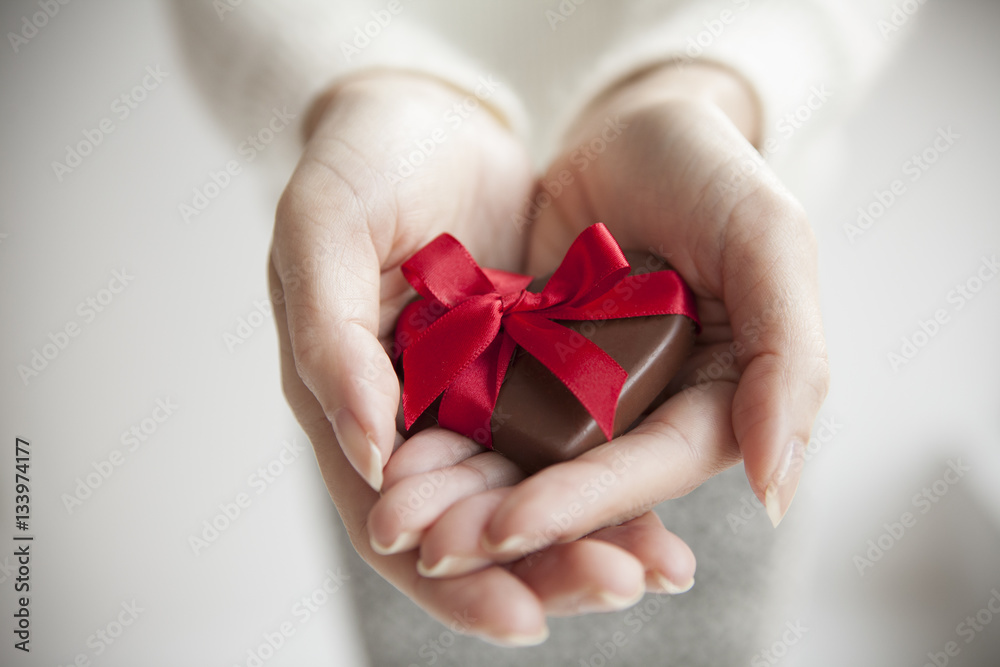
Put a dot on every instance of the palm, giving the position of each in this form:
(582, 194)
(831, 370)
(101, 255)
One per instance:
(671, 183)
(345, 213)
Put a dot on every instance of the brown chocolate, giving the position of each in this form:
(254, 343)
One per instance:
(538, 421)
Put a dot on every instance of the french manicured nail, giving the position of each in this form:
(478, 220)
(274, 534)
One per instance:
(658, 583)
(615, 602)
(515, 544)
(593, 602)
(452, 566)
(784, 482)
(403, 542)
(359, 447)
(521, 640)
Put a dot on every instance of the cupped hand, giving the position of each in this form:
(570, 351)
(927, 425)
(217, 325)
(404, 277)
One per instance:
(666, 161)
(391, 161)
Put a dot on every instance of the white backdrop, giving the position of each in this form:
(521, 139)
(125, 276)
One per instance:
(122, 488)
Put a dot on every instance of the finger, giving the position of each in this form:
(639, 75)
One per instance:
(453, 545)
(668, 561)
(771, 291)
(578, 577)
(329, 267)
(428, 450)
(681, 444)
(401, 515)
(452, 548)
(492, 604)
(582, 577)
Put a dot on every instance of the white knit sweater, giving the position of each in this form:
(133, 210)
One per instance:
(549, 57)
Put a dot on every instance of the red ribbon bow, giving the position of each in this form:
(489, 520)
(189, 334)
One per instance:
(460, 338)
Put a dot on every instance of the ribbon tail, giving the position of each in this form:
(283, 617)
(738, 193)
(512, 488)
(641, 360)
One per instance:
(468, 404)
(429, 367)
(587, 371)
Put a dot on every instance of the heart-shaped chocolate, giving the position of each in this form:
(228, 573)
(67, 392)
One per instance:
(537, 421)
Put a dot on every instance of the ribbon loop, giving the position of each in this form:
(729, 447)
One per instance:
(444, 270)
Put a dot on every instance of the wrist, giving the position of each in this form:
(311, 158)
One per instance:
(678, 82)
(399, 84)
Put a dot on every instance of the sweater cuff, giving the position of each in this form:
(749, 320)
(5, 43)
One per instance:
(797, 55)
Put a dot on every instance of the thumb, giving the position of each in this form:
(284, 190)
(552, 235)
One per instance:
(329, 267)
(771, 293)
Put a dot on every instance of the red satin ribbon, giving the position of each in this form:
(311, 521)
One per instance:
(458, 340)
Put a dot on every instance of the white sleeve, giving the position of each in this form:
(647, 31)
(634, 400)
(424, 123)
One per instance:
(253, 55)
(792, 52)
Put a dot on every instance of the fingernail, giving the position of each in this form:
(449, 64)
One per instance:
(616, 602)
(657, 582)
(521, 640)
(374, 475)
(452, 566)
(403, 542)
(781, 490)
(359, 447)
(515, 544)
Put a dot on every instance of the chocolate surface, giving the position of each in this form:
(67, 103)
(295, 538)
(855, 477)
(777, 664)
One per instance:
(538, 421)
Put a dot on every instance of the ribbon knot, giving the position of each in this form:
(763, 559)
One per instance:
(511, 300)
(457, 342)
